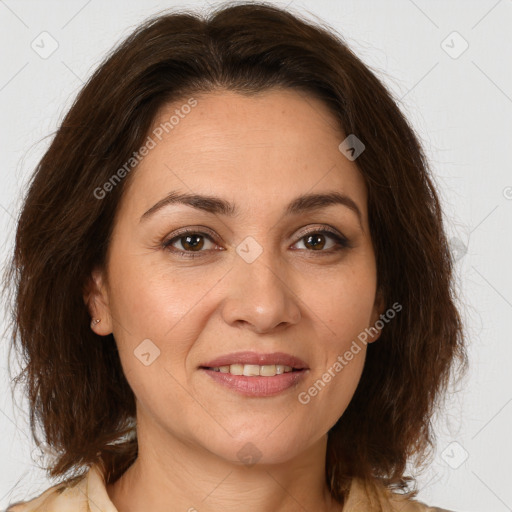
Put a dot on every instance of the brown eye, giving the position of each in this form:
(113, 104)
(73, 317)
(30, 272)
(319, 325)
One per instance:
(190, 242)
(315, 241)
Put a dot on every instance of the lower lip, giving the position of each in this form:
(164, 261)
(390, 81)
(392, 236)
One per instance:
(257, 386)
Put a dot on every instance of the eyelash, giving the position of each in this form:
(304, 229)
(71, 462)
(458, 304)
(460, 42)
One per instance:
(342, 242)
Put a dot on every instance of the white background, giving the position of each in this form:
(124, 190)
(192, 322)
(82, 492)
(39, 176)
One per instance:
(462, 109)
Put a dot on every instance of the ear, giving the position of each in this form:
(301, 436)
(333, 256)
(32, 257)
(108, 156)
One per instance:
(379, 307)
(96, 298)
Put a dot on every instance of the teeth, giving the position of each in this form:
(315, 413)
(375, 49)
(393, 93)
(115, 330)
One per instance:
(253, 370)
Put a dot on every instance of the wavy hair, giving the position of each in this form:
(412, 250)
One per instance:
(79, 397)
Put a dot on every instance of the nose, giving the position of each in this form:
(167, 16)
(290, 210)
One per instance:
(260, 296)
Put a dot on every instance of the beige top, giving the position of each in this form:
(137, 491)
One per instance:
(90, 495)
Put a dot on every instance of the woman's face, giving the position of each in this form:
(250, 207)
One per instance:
(263, 278)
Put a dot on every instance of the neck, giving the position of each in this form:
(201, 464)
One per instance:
(181, 476)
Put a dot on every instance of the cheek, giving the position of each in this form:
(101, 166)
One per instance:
(150, 301)
(344, 305)
(343, 311)
(155, 327)
(331, 385)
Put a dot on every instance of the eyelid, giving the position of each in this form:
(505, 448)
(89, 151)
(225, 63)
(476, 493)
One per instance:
(322, 228)
(195, 230)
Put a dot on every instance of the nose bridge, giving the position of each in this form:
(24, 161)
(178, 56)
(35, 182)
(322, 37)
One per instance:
(265, 274)
(260, 295)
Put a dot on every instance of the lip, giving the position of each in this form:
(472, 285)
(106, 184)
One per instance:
(257, 386)
(255, 358)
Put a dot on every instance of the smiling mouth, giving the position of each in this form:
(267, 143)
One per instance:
(254, 370)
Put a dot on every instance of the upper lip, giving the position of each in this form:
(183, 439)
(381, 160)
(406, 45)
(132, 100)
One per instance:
(255, 358)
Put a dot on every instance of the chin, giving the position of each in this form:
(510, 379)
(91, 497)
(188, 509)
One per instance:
(256, 446)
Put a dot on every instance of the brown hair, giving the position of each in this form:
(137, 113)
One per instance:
(75, 384)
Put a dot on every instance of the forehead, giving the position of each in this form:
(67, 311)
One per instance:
(262, 149)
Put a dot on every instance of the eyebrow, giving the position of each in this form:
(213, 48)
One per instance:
(219, 206)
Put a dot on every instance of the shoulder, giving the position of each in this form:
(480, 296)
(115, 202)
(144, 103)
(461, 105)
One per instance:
(58, 498)
(85, 493)
(402, 504)
(375, 497)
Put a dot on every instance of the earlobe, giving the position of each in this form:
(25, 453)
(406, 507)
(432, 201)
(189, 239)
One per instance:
(95, 296)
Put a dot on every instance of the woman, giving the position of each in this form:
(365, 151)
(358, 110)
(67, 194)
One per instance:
(233, 285)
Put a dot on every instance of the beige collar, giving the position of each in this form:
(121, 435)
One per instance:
(90, 495)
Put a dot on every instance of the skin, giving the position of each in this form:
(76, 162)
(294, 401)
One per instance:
(259, 152)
